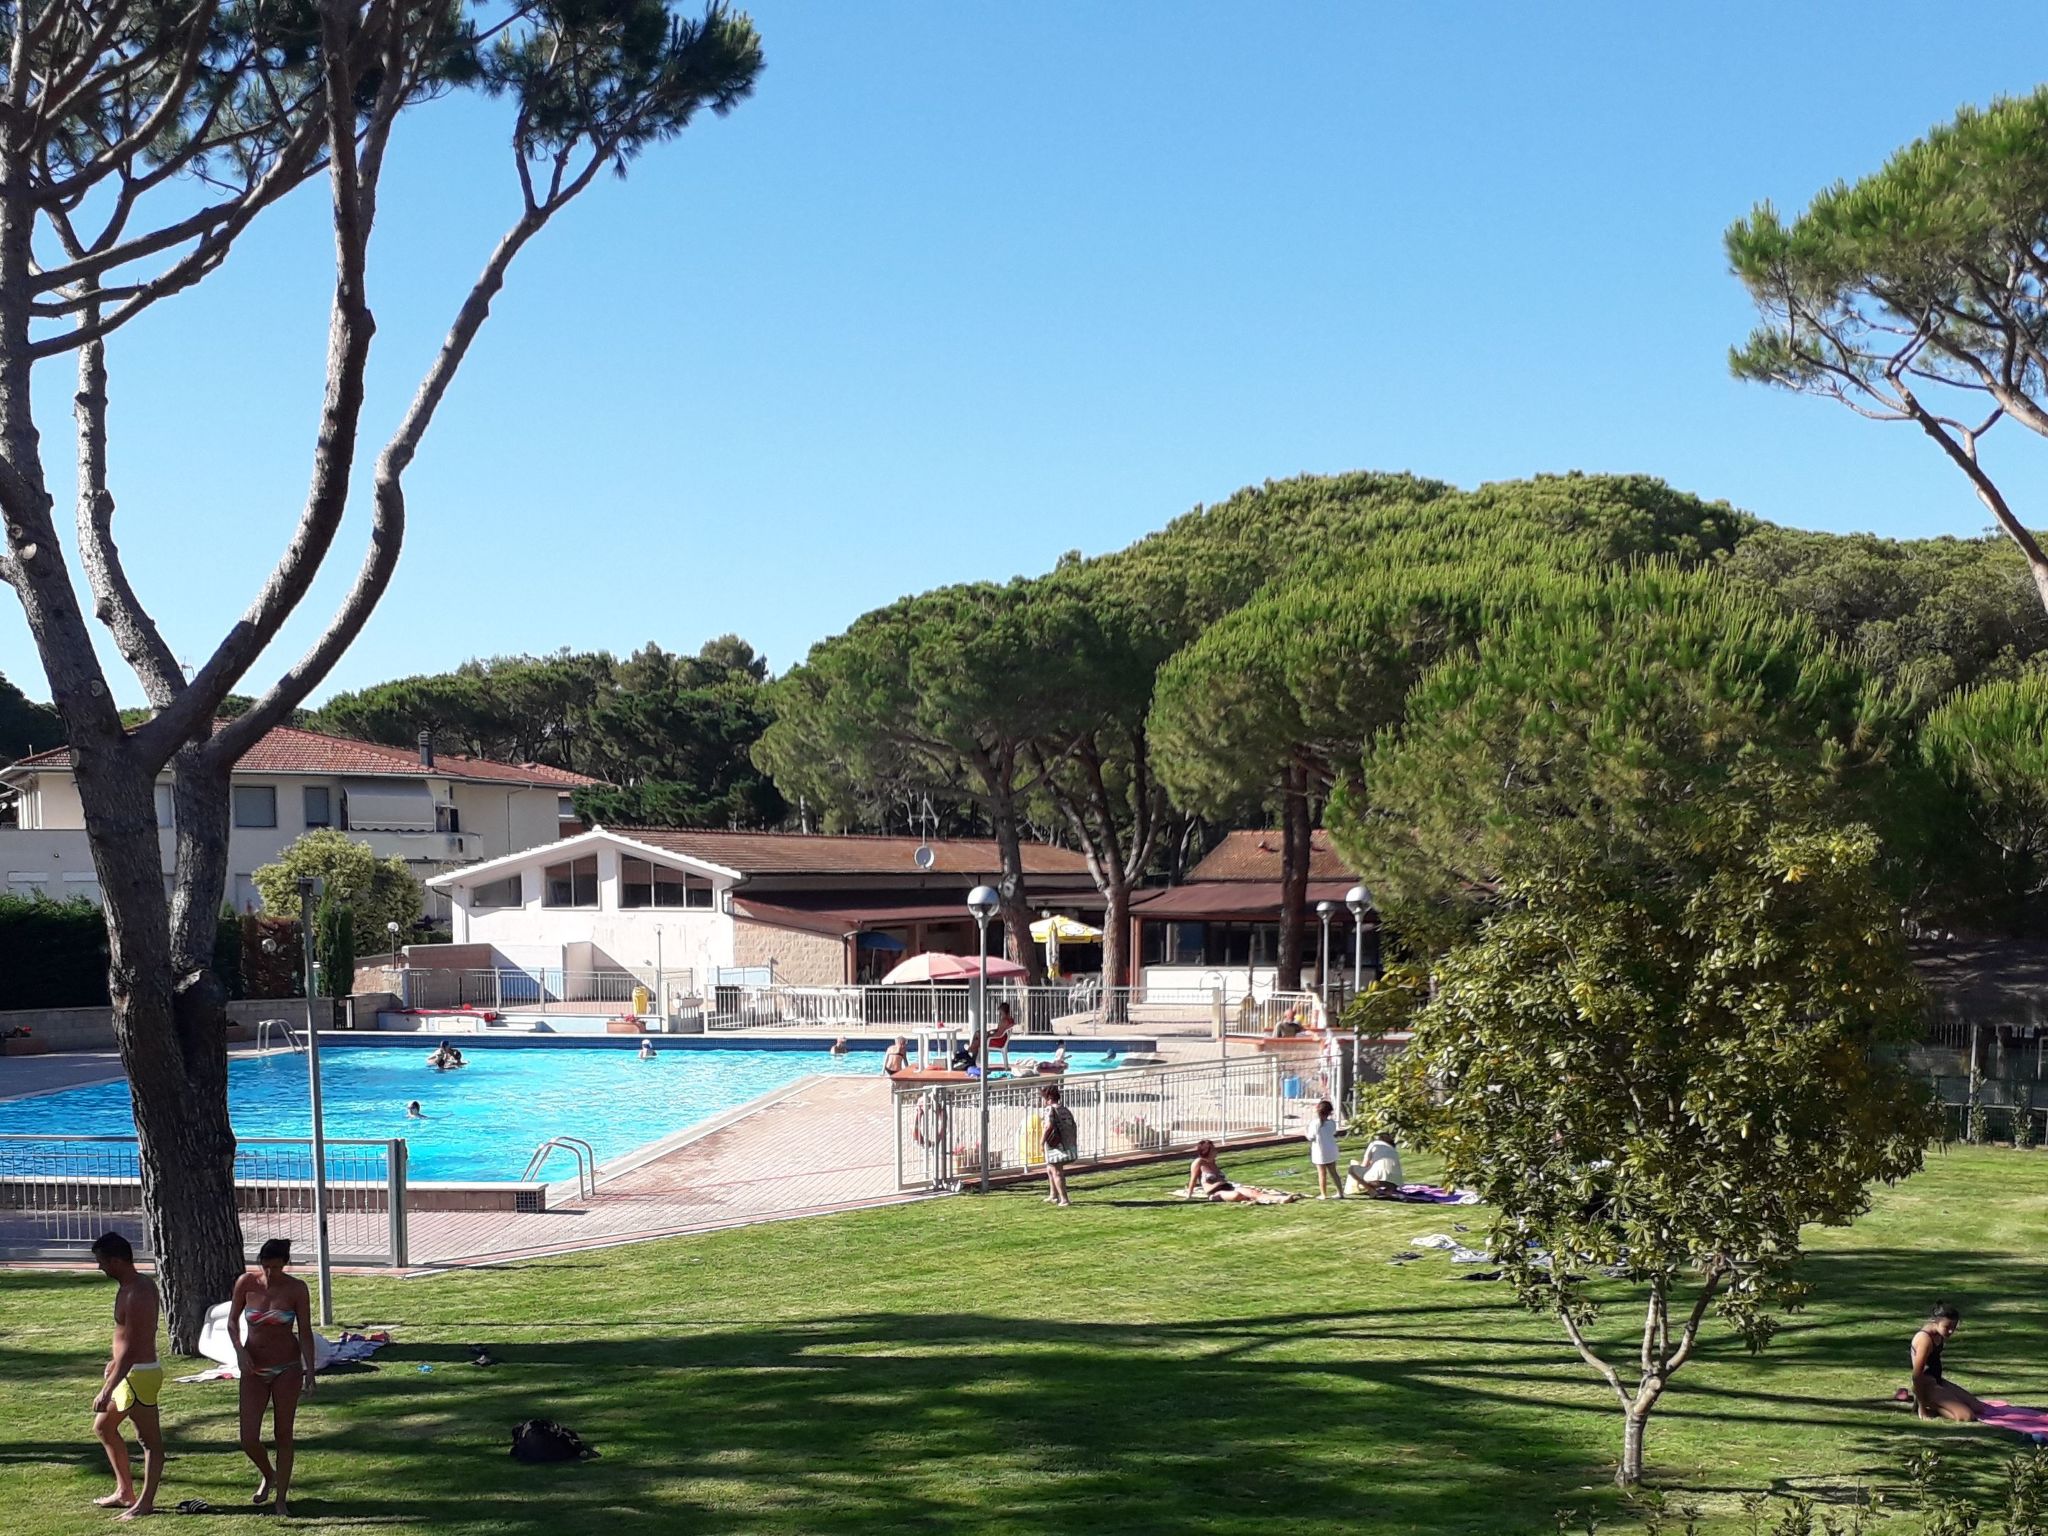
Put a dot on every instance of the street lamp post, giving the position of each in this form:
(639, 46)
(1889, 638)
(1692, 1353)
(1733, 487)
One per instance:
(309, 894)
(981, 904)
(1323, 911)
(1359, 900)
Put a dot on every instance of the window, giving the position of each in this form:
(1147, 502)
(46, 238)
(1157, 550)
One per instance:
(570, 884)
(643, 883)
(319, 806)
(565, 807)
(508, 892)
(166, 802)
(247, 897)
(255, 805)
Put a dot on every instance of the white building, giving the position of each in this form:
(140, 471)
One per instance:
(813, 909)
(435, 811)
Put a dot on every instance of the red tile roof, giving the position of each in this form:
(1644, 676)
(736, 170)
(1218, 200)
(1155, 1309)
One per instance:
(1255, 855)
(287, 749)
(802, 853)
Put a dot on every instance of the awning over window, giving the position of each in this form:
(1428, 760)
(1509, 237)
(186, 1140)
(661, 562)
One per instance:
(393, 805)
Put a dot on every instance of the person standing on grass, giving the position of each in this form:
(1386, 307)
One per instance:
(1322, 1150)
(1062, 1142)
(275, 1359)
(133, 1378)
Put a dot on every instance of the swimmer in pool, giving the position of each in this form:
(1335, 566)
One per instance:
(414, 1112)
(647, 1050)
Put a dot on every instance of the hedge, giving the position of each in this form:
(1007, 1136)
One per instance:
(53, 954)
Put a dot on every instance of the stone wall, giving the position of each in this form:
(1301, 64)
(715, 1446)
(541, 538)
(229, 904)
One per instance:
(800, 959)
(92, 1029)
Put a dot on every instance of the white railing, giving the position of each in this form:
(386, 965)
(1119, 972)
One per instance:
(1081, 1008)
(58, 1193)
(1276, 1013)
(1136, 1112)
(531, 988)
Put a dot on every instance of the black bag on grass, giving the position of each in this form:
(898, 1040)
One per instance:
(539, 1440)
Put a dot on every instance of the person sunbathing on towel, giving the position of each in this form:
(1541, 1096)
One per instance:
(1935, 1397)
(1206, 1181)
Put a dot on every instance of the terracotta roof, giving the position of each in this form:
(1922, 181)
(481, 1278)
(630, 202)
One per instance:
(1256, 901)
(287, 749)
(1255, 855)
(801, 853)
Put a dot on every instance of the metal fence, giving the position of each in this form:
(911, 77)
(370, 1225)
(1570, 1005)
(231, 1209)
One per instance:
(1080, 1008)
(1138, 1111)
(58, 1193)
(532, 988)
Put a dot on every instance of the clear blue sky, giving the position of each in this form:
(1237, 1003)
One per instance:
(965, 286)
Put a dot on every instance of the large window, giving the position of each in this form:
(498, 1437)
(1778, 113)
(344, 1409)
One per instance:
(571, 884)
(319, 806)
(255, 805)
(643, 883)
(1219, 944)
(508, 892)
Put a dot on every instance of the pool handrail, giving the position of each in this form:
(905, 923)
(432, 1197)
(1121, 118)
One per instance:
(576, 1147)
(264, 1027)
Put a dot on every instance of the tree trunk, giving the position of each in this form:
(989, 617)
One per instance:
(1294, 856)
(1116, 924)
(170, 1025)
(1631, 1470)
(1010, 890)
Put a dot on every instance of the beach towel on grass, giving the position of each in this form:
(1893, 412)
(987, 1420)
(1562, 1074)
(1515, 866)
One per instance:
(2031, 1422)
(1431, 1194)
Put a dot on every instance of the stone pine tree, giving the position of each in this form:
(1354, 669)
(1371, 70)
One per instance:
(138, 143)
(945, 694)
(1919, 293)
(1668, 975)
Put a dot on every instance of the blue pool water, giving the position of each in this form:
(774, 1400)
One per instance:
(483, 1121)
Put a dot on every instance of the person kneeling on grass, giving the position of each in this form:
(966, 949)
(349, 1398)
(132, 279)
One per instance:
(1933, 1396)
(1206, 1181)
(1379, 1176)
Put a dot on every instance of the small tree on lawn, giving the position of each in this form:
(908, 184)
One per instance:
(376, 891)
(1657, 1044)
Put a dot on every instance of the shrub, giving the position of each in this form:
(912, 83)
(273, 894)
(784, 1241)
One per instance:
(53, 954)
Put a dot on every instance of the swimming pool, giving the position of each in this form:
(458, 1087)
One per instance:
(483, 1122)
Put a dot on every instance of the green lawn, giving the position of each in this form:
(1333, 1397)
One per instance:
(1132, 1364)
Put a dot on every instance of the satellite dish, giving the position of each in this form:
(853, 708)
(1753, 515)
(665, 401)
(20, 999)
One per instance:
(924, 856)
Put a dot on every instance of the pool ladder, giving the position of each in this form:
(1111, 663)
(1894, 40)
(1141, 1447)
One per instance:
(576, 1147)
(264, 1028)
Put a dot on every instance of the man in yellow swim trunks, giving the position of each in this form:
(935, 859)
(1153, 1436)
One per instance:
(133, 1379)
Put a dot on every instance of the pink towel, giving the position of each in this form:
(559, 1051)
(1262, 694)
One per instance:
(2031, 1422)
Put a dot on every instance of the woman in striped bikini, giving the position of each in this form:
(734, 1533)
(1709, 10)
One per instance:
(272, 1325)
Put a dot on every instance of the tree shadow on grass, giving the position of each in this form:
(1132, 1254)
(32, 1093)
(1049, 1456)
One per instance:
(956, 1421)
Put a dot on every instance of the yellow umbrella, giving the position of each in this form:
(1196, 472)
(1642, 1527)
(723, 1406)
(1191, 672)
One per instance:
(1064, 929)
(1050, 931)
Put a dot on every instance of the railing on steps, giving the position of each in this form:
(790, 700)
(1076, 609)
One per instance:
(576, 1147)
